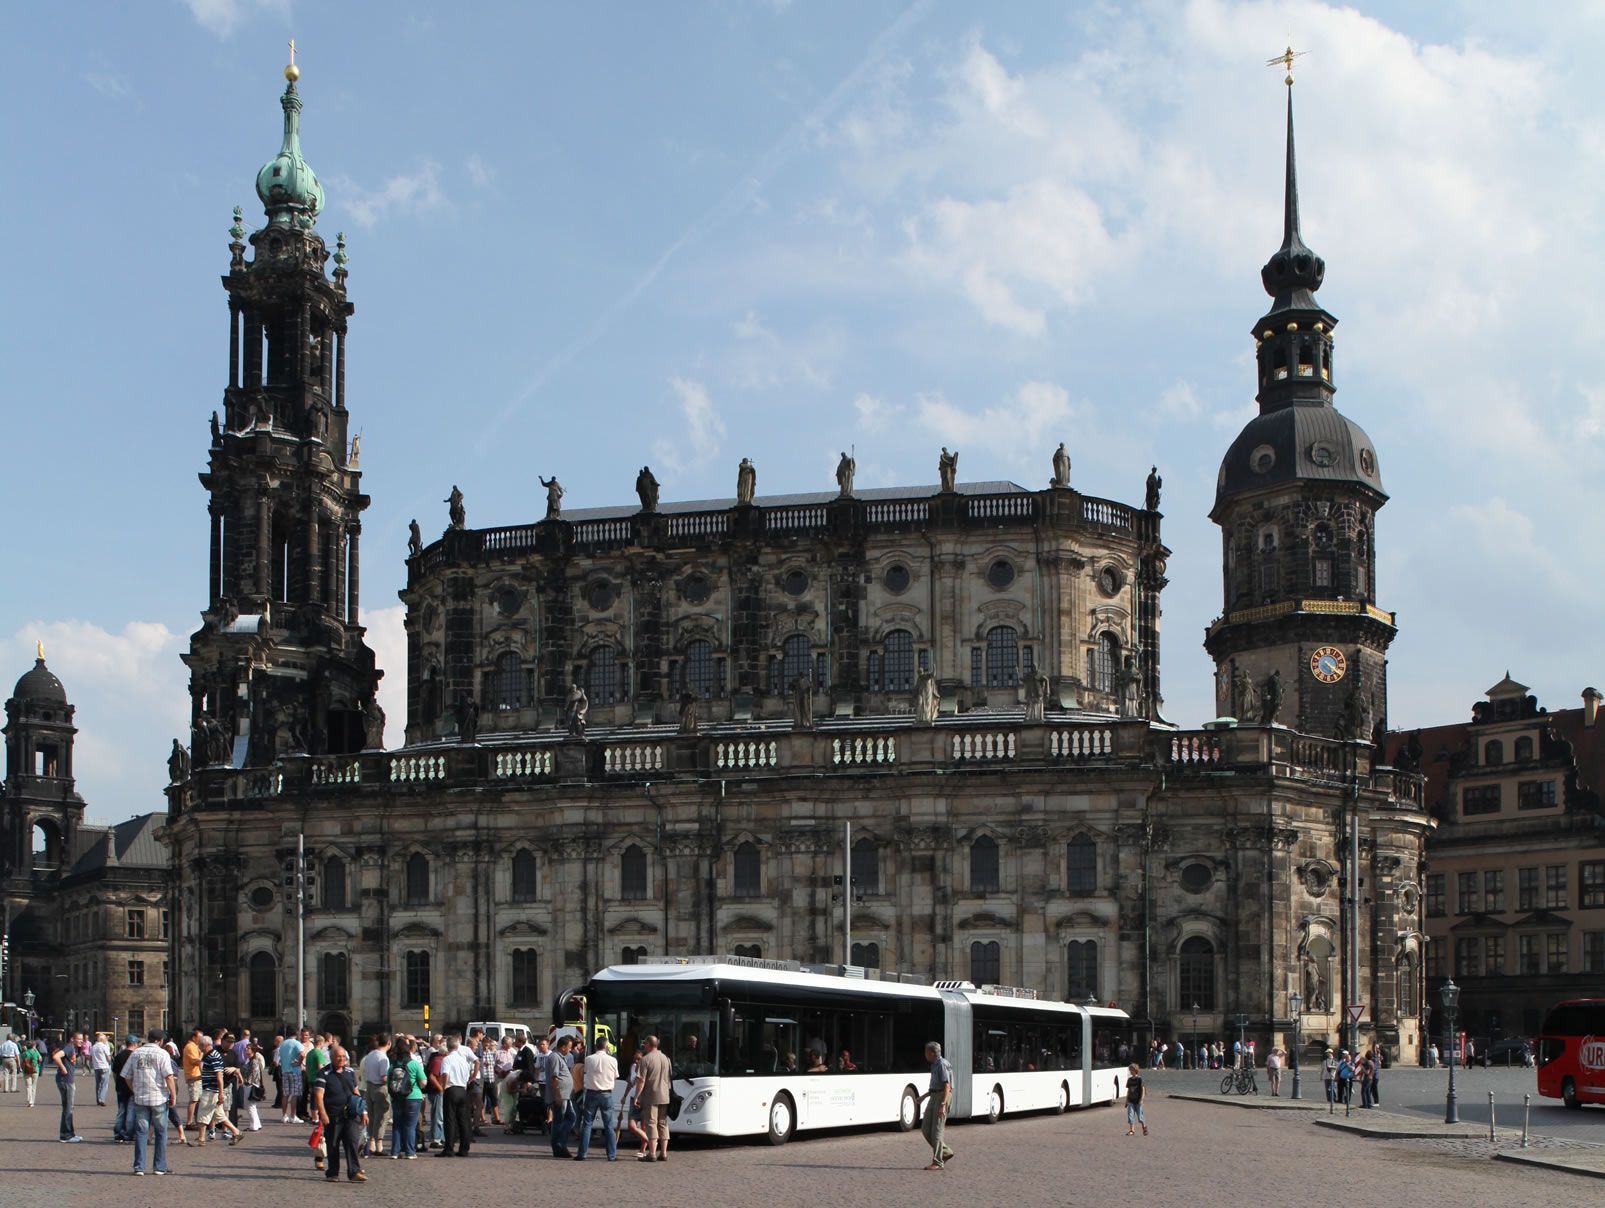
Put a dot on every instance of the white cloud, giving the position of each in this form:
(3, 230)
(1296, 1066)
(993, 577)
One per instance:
(1592, 424)
(762, 360)
(407, 193)
(131, 697)
(109, 84)
(1012, 428)
(1180, 401)
(387, 638)
(223, 17)
(874, 414)
(481, 173)
(702, 432)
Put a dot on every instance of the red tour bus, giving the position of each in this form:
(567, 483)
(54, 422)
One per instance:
(1571, 1053)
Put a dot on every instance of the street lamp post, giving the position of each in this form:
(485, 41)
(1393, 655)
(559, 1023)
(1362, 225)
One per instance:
(1195, 1036)
(1242, 1044)
(1297, 1004)
(28, 999)
(1451, 1000)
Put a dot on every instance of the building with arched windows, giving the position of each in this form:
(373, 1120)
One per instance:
(714, 725)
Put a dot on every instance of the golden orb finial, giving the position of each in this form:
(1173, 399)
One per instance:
(292, 72)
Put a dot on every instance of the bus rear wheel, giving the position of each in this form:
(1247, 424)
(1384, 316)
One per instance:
(1568, 1094)
(782, 1119)
(994, 1105)
(908, 1112)
(1064, 1098)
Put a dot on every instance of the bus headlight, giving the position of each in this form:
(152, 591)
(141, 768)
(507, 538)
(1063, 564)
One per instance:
(697, 1100)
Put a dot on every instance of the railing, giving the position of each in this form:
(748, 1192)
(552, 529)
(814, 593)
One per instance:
(745, 753)
(699, 524)
(417, 769)
(1404, 787)
(632, 759)
(602, 532)
(983, 747)
(1089, 742)
(1001, 507)
(864, 750)
(509, 540)
(1195, 749)
(1110, 515)
(789, 519)
(336, 771)
(897, 511)
(522, 764)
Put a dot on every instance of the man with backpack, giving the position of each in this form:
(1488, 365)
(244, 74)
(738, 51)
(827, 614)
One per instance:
(1345, 1078)
(341, 1110)
(375, 1076)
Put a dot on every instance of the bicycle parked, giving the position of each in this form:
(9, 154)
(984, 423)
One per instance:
(1243, 1080)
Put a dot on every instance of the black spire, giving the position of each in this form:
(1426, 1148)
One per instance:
(1293, 273)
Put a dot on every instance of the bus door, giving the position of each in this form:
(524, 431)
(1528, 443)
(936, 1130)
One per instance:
(957, 1048)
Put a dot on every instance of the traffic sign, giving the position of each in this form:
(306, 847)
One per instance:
(1356, 1013)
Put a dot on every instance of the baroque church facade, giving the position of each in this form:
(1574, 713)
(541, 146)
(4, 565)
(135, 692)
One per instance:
(915, 730)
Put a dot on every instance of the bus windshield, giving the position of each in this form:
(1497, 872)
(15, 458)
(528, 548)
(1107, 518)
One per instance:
(687, 1031)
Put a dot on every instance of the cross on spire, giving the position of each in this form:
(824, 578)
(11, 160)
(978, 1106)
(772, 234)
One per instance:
(1285, 59)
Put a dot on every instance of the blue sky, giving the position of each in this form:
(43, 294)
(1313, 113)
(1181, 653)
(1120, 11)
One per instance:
(588, 237)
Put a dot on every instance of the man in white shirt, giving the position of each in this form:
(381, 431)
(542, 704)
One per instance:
(601, 1074)
(457, 1070)
(375, 1073)
(149, 1073)
(10, 1064)
(100, 1063)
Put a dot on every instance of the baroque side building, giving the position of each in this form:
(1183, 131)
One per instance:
(679, 727)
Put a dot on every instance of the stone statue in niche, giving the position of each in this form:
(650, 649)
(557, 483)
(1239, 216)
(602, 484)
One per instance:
(1033, 698)
(688, 713)
(1315, 985)
(177, 764)
(646, 486)
(263, 408)
(927, 698)
(1245, 699)
(1270, 699)
(354, 457)
(415, 539)
(1155, 482)
(947, 469)
(373, 725)
(576, 709)
(554, 497)
(467, 710)
(1355, 723)
(1061, 467)
(746, 483)
(802, 703)
(217, 431)
(227, 613)
(458, 514)
(1129, 679)
(318, 422)
(845, 469)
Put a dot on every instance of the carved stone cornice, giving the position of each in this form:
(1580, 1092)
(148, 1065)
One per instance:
(800, 842)
(1155, 836)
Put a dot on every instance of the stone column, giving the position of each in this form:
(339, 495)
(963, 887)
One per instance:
(340, 371)
(214, 587)
(233, 344)
(314, 556)
(353, 578)
(264, 532)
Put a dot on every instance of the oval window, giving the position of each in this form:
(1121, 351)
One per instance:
(1000, 574)
(1109, 581)
(600, 595)
(697, 589)
(1197, 877)
(897, 578)
(795, 582)
(261, 899)
(1262, 459)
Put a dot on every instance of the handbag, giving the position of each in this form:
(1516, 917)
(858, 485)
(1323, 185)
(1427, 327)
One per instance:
(257, 1094)
(316, 1139)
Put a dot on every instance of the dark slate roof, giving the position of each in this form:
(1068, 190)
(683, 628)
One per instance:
(40, 685)
(1292, 433)
(800, 499)
(136, 845)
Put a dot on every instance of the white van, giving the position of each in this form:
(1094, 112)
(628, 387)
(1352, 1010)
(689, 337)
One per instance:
(520, 1032)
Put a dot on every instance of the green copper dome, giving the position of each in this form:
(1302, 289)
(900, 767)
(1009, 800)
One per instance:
(287, 185)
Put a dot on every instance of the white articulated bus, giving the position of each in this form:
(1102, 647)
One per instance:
(762, 1046)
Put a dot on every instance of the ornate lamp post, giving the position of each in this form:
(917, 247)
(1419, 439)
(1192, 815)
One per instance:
(28, 999)
(1297, 1004)
(1195, 1035)
(1451, 1000)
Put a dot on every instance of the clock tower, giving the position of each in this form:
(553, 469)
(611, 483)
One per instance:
(1300, 640)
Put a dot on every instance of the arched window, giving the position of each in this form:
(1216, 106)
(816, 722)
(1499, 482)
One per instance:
(334, 883)
(1002, 657)
(866, 870)
(334, 980)
(525, 887)
(866, 956)
(632, 956)
(1081, 962)
(263, 978)
(1102, 662)
(750, 951)
(602, 676)
(1269, 575)
(795, 661)
(507, 683)
(696, 672)
(1196, 969)
(897, 662)
(414, 978)
(1524, 749)
(1493, 752)
(632, 873)
(46, 845)
(1362, 562)
(747, 879)
(984, 865)
(986, 963)
(1081, 867)
(1407, 987)
(417, 879)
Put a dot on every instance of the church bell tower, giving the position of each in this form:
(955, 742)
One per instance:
(1300, 640)
(279, 665)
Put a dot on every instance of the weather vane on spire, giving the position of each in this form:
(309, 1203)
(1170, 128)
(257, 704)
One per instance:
(1285, 59)
(292, 72)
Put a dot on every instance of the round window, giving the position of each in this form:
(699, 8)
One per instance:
(897, 578)
(1262, 459)
(600, 595)
(1368, 461)
(794, 582)
(1000, 574)
(508, 601)
(1109, 581)
(1197, 877)
(697, 588)
(261, 899)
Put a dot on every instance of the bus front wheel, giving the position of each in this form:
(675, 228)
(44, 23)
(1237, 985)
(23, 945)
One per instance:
(782, 1119)
(994, 1105)
(908, 1113)
(1064, 1097)
(1568, 1093)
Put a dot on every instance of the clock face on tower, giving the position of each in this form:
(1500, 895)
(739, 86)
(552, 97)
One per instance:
(1328, 664)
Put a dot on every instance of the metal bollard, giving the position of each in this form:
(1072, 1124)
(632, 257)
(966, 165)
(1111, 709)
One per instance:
(1526, 1117)
(1491, 1136)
